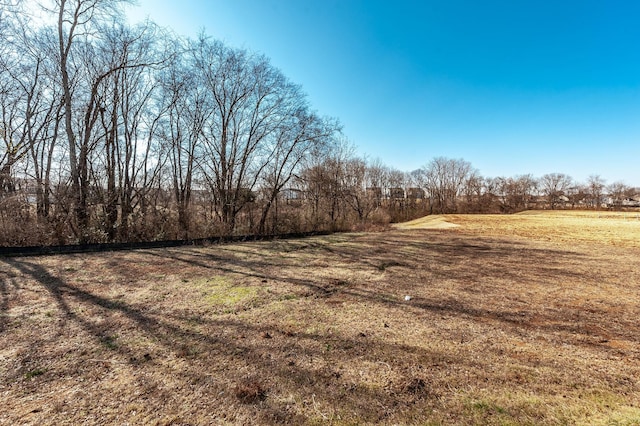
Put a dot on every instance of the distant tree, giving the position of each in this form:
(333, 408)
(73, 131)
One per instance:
(618, 191)
(358, 195)
(257, 130)
(300, 135)
(554, 186)
(416, 203)
(595, 187)
(490, 199)
(474, 188)
(526, 185)
(577, 193)
(324, 190)
(514, 194)
(444, 179)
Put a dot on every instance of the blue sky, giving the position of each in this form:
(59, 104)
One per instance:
(513, 87)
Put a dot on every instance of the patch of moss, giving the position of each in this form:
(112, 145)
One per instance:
(488, 412)
(35, 373)
(221, 291)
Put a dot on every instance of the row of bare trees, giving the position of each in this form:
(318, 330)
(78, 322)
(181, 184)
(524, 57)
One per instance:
(369, 192)
(110, 129)
(454, 186)
(114, 132)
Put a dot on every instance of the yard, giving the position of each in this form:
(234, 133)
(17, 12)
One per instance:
(479, 319)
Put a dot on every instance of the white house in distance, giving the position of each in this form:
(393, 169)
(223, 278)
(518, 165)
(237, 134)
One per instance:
(625, 202)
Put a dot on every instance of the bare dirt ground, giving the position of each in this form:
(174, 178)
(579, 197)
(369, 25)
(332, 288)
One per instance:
(523, 319)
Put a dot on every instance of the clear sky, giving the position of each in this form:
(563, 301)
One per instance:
(512, 86)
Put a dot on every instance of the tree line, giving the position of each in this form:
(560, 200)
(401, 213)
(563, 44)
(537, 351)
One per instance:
(114, 132)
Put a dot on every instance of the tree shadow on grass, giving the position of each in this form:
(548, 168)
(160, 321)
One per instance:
(305, 364)
(7, 286)
(474, 265)
(225, 341)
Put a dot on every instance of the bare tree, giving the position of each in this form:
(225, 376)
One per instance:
(125, 99)
(16, 101)
(83, 75)
(13, 130)
(187, 108)
(473, 190)
(595, 187)
(44, 112)
(577, 193)
(323, 180)
(303, 134)
(258, 129)
(618, 191)
(444, 179)
(554, 186)
(358, 191)
(515, 193)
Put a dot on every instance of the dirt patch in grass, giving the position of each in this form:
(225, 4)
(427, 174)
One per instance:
(427, 222)
(524, 319)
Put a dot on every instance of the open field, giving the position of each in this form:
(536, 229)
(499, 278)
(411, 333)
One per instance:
(522, 319)
(559, 227)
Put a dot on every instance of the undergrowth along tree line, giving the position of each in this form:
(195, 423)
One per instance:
(112, 132)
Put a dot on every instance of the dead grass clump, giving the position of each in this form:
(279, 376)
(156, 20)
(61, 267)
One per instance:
(383, 266)
(250, 391)
(414, 386)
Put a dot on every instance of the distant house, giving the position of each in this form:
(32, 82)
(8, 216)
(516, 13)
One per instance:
(631, 202)
(28, 187)
(374, 192)
(396, 193)
(416, 194)
(625, 202)
(293, 194)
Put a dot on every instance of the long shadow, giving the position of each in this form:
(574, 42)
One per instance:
(492, 256)
(61, 291)
(174, 337)
(240, 268)
(171, 331)
(8, 287)
(545, 265)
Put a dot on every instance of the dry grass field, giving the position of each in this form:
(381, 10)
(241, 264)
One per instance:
(524, 319)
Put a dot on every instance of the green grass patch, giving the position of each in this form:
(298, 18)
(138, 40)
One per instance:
(109, 341)
(222, 291)
(620, 416)
(488, 407)
(486, 411)
(35, 373)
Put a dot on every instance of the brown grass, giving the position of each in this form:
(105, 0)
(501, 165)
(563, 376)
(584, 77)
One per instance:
(524, 319)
